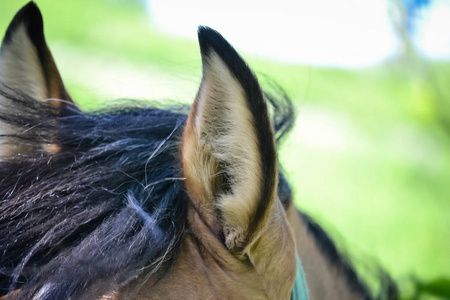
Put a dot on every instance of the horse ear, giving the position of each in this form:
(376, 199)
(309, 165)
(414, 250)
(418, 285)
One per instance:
(229, 156)
(26, 64)
(27, 69)
(230, 165)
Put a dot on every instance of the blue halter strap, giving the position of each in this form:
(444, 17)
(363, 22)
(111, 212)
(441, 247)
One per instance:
(300, 290)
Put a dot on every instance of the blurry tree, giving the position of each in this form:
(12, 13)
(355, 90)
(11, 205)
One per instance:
(431, 91)
(431, 96)
(403, 17)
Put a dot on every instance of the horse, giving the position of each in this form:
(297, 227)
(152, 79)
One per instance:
(148, 202)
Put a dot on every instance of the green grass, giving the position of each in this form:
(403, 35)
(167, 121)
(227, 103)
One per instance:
(380, 183)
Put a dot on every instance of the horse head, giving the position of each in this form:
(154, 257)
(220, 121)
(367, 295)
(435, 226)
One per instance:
(150, 203)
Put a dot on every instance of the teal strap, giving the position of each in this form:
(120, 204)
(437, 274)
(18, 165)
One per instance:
(300, 290)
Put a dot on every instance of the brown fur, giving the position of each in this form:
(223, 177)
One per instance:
(27, 65)
(213, 273)
(233, 247)
(324, 280)
(220, 131)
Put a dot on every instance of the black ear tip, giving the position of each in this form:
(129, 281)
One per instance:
(212, 41)
(31, 17)
(204, 31)
(209, 38)
(30, 13)
(30, 6)
(204, 36)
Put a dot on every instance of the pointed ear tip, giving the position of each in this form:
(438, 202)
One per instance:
(203, 33)
(209, 38)
(31, 5)
(211, 41)
(204, 30)
(29, 13)
(30, 16)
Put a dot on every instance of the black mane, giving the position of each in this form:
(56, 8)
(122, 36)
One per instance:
(387, 287)
(111, 200)
(110, 204)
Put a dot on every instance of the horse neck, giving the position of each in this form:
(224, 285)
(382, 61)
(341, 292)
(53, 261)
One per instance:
(208, 269)
(325, 280)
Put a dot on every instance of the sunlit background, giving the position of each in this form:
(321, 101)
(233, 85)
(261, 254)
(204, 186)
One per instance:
(369, 156)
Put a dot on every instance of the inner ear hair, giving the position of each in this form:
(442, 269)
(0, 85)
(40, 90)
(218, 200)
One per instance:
(26, 62)
(30, 87)
(229, 156)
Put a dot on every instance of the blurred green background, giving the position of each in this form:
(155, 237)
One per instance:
(369, 156)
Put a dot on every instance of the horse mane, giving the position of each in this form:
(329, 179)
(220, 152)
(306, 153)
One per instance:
(106, 207)
(387, 287)
(110, 205)
(111, 200)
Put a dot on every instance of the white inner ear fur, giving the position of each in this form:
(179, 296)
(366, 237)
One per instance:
(225, 129)
(20, 69)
